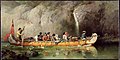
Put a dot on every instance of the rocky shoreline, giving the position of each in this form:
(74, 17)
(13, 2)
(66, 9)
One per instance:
(10, 54)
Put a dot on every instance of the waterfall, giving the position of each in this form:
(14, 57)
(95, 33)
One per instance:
(76, 23)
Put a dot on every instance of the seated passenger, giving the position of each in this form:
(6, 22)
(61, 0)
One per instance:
(65, 36)
(36, 37)
(48, 35)
(55, 39)
(45, 37)
(78, 38)
(83, 35)
(70, 38)
(40, 36)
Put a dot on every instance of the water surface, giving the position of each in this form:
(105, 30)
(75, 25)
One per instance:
(108, 51)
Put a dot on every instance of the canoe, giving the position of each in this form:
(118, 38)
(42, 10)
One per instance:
(49, 43)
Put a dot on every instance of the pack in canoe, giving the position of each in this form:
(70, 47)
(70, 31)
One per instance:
(49, 43)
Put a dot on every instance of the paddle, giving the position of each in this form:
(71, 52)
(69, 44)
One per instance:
(23, 37)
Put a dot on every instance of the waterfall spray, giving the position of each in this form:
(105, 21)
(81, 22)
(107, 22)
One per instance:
(76, 23)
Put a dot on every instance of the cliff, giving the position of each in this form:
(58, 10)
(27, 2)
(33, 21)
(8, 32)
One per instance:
(60, 16)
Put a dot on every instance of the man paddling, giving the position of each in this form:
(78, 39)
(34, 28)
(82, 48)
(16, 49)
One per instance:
(19, 33)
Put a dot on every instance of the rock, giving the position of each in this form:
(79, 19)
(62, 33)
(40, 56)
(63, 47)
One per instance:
(57, 17)
(94, 17)
(9, 54)
(21, 57)
(34, 53)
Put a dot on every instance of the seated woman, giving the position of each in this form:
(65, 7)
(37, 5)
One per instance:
(49, 36)
(45, 37)
(55, 39)
(40, 36)
(65, 36)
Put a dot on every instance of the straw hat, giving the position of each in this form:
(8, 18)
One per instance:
(94, 34)
(84, 31)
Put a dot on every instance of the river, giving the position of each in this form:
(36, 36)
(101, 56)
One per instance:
(97, 51)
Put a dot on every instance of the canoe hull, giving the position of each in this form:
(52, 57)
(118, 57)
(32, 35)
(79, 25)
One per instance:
(53, 44)
(49, 43)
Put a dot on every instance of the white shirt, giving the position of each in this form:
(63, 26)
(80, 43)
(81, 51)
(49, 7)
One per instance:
(65, 37)
(36, 38)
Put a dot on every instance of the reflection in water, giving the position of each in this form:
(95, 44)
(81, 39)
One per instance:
(70, 52)
(89, 52)
(46, 53)
(74, 52)
(57, 52)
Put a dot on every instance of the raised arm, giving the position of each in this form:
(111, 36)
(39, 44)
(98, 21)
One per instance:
(23, 27)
